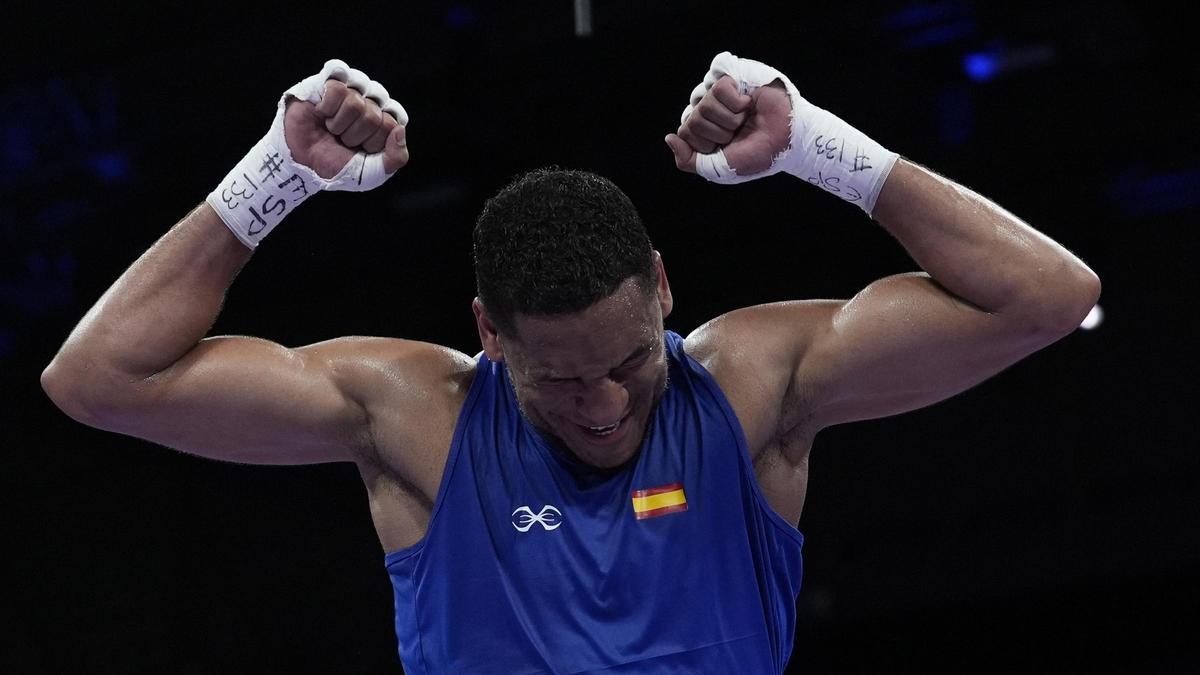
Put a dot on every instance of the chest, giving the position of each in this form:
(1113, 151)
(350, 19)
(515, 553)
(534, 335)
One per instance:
(598, 571)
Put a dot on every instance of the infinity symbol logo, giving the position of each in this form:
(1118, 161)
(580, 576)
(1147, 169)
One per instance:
(550, 518)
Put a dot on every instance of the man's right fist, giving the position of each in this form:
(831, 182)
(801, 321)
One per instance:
(327, 135)
(336, 130)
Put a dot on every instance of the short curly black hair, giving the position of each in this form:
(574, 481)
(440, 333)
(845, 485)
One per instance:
(556, 241)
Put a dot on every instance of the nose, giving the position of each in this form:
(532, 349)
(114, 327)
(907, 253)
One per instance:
(602, 402)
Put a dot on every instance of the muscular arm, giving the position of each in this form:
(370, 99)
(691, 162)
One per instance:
(993, 291)
(137, 362)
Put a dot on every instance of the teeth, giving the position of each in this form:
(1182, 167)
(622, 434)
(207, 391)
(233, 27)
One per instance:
(605, 430)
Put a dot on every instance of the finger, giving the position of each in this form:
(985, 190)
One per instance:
(714, 111)
(685, 156)
(725, 91)
(708, 131)
(378, 141)
(350, 111)
(698, 144)
(395, 152)
(362, 128)
(331, 100)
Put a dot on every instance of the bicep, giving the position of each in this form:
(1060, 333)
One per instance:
(902, 343)
(249, 400)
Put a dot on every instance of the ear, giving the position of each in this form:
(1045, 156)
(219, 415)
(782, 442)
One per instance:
(489, 337)
(665, 301)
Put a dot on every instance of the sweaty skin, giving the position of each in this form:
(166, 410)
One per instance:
(576, 376)
(993, 290)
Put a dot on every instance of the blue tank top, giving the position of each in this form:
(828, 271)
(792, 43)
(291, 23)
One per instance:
(533, 563)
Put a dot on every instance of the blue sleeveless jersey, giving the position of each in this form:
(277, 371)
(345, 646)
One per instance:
(533, 563)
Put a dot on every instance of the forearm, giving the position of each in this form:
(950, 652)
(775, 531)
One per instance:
(156, 312)
(982, 253)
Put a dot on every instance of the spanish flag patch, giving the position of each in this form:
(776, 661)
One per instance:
(659, 501)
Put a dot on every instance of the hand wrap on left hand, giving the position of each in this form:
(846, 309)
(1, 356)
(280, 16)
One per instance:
(824, 149)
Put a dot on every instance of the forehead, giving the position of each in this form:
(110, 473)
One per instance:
(602, 335)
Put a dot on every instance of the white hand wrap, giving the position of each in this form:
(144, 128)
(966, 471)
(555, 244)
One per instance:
(824, 150)
(268, 183)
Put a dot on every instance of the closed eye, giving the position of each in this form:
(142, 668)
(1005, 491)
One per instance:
(635, 361)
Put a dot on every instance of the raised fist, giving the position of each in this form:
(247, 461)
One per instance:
(326, 135)
(751, 128)
(336, 130)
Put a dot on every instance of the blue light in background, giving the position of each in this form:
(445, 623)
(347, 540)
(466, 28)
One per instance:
(982, 66)
(925, 25)
(989, 64)
(61, 144)
(924, 13)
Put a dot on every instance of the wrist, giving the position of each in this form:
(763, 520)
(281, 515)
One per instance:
(261, 189)
(835, 156)
(256, 195)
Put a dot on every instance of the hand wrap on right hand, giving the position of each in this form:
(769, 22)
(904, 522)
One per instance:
(268, 183)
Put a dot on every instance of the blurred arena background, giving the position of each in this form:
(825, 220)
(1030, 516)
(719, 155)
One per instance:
(1045, 521)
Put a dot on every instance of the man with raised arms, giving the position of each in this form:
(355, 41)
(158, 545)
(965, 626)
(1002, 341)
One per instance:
(592, 492)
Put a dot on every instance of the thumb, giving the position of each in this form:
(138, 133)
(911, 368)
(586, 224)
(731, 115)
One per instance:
(685, 156)
(395, 151)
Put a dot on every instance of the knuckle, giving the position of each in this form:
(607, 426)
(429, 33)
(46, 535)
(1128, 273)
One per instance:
(713, 114)
(335, 91)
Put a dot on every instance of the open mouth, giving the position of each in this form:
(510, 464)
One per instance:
(606, 430)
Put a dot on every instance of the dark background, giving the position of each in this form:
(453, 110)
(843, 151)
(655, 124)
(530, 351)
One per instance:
(1046, 521)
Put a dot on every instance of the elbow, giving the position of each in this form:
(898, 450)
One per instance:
(61, 389)
(71, 394)
(1085, 293)
(1070, 303)
(1091, 289)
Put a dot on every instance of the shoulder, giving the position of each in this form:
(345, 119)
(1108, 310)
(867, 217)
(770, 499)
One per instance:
(395, 379)
(755, 354)
(774, 333)
(412, 393)
(363, 364)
